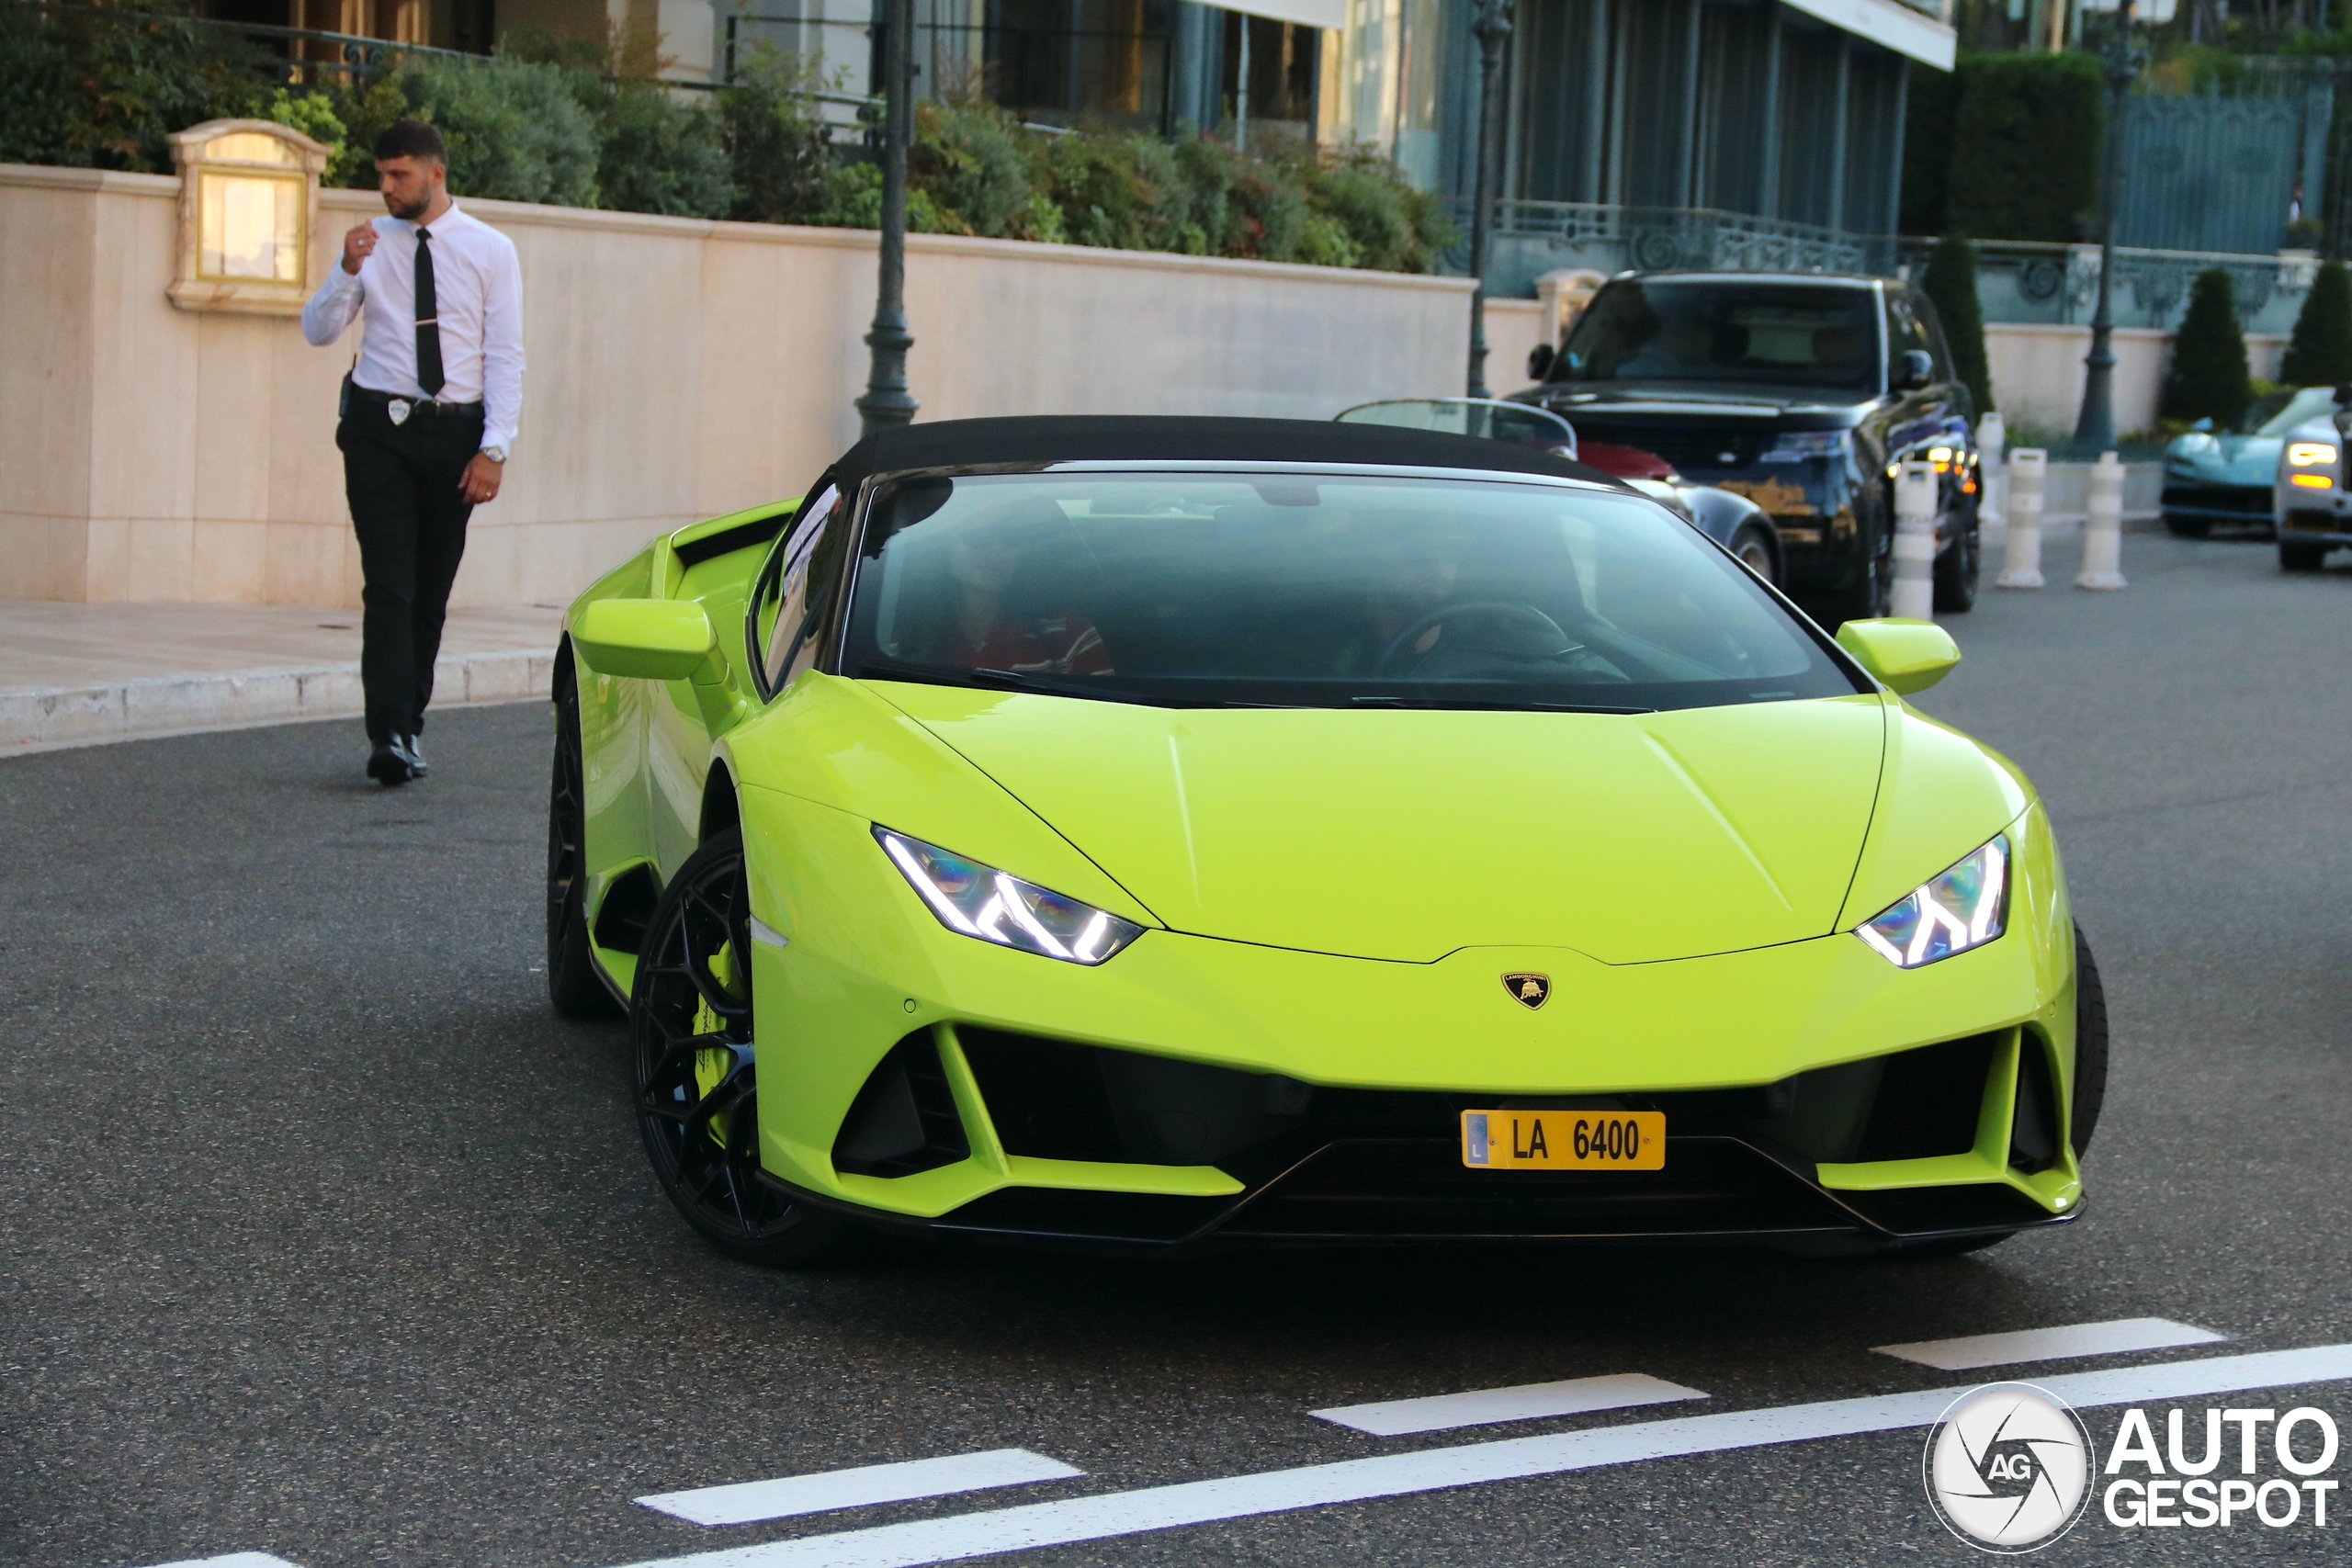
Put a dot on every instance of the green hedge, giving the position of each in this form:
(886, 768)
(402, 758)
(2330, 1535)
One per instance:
(2007, 147)
(576, 124)
(2209, 377)
(2320, 354)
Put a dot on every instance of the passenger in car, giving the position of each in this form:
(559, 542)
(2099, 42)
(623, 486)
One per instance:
(997, 605)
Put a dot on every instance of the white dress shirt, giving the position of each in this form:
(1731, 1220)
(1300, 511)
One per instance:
(478, 295)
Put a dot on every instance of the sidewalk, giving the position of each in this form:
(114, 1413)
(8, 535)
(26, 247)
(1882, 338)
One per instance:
(80, 674)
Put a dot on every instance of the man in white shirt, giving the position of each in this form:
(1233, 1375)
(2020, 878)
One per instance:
(429, 413)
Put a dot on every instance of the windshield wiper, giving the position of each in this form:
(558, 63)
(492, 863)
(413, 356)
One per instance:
(1497, 705)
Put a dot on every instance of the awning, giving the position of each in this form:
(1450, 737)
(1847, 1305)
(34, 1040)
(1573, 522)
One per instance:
(1305, 13)
(1891, 23)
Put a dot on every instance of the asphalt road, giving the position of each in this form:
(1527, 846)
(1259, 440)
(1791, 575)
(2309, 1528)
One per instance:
(324, 1238)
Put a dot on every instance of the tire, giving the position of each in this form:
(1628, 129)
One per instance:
(2188, 527)
(2091, 1046)
(1957, 570)
(2299, 557)
(1752, 547)
(693, 1074)
(572, 984)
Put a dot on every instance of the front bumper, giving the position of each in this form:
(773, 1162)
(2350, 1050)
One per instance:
(2217, 503)
(1195, 1092)
(2314, 517)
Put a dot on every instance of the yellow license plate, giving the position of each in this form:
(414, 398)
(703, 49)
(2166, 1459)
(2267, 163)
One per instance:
(1564, 1140)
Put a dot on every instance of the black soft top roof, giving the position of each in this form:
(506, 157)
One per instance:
(1075, 438)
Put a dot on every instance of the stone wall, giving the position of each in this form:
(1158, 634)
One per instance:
(679, 370)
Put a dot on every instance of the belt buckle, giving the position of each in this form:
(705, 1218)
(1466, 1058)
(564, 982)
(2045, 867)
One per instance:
(398, 409)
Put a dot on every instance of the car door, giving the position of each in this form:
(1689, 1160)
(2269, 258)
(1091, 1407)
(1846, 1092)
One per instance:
(1932, 417)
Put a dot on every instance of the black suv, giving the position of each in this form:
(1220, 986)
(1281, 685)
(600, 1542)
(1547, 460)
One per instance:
(1803, 393)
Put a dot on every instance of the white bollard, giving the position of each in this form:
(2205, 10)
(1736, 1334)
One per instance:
(1915, 541)
(2028, 468)
(1993, 483)
(2103, 527)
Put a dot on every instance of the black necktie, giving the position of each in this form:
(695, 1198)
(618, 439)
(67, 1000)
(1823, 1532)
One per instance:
(429, 375)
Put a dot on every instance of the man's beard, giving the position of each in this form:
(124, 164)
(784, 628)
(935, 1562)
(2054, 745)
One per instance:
(412, 211)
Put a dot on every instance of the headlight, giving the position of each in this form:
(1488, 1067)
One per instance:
(2310, 454)
(1966, 907)
(981, 901)
(1795, 445)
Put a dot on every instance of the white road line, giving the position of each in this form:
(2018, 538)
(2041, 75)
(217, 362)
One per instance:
(233, 1559)
(782, 1498)
(1116, 1513)
(2051, 1344)
(1522, 1402)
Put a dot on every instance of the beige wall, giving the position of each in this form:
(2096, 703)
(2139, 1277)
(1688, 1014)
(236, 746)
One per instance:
(2038, 371)
(678, 370)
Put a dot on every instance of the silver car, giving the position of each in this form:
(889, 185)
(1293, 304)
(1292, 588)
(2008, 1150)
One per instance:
(2309, 499)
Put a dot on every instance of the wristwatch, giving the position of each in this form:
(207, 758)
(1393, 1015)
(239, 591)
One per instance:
(495, 453)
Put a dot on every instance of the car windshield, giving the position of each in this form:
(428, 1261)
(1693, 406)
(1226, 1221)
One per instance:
(1741, 333)
(2281, 411)
(1310, 589)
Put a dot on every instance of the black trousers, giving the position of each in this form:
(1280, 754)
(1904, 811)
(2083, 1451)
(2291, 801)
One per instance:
(401, 483)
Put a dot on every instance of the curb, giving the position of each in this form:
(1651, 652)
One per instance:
(181, 705)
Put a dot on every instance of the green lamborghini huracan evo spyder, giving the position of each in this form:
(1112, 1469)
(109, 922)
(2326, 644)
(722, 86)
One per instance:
(1150, 833)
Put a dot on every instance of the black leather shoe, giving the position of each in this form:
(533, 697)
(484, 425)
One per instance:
(411, 751)
(388, 766)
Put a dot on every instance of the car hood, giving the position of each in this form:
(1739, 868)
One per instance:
(1637, 398)
(1405, 835)
(2227, 459)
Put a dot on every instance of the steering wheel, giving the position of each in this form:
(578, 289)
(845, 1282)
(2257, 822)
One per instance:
(1393, 661)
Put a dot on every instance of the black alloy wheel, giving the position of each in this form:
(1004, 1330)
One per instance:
(695, 1072)
(573, 985)
(1753, 549)
(1957, 569)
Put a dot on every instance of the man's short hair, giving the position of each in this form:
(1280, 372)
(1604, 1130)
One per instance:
(414, 138)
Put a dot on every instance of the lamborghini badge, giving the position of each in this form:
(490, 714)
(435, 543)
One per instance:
(1530, 991)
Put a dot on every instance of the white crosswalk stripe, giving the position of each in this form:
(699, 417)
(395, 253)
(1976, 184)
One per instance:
(745, 1502)
(1522, 1402)
(2108, 1338)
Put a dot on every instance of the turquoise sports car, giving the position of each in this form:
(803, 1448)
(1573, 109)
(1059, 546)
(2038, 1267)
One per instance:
(2228, 478)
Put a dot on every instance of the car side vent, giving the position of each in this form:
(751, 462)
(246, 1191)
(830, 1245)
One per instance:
(904, 1120)
(628, 909)
(2033, 1130)
(1928, 1100)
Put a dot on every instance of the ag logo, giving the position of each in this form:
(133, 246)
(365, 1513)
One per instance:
(2007, 1468)
(1530, 991)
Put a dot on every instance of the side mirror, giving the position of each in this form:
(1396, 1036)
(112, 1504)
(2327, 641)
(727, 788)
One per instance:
(1907, 656)
(1914, 370)
(1539, 361)
(644, 639)
(2203, 426)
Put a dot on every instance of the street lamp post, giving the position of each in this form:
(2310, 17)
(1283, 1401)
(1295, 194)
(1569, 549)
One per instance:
(886, 401)
(2096, 427)
(1492, 28)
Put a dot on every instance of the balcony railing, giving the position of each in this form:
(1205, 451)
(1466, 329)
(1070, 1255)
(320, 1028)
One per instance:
(1531, 238)
(2023, 281)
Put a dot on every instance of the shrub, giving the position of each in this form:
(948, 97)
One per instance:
(2320, 354)
(1951, 283)
(656, 155)
(2208, 379)
(778, 152)
(314, 115)
(105, 90)
(517, 128)
(980, 169)
(2025, 147)
(852, 199)
(367, 110)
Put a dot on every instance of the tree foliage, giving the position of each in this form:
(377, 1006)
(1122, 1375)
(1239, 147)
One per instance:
(2007, 147)
(1951, 283)
(2320, 352)
(2209, 377)
(103, 90)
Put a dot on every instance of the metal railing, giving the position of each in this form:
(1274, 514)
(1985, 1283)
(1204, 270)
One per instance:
(350, 55)
(1533, 237)
(2026, 281)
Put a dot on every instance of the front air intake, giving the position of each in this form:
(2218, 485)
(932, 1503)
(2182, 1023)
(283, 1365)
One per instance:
(904, 1120)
